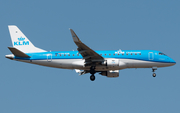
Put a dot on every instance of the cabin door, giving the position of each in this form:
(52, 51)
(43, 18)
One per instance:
(151, 56)
(49, 57)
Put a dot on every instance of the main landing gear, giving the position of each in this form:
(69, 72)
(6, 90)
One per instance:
(92, 77)
(92, 71)
(153, 70)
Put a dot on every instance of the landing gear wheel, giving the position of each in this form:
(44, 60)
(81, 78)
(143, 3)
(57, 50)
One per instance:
(92, 77)
(154, 74)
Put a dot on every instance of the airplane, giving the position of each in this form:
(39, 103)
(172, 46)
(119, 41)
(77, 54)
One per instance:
(85, 60)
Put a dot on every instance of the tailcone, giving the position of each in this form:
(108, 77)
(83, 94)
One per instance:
(11, 56)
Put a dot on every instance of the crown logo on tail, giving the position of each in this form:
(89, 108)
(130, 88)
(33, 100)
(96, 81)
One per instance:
(21, 39)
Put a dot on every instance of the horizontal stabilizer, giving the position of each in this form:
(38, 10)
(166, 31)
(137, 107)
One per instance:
(18, 53)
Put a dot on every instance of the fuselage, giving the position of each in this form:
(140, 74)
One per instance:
(119, 59)
(85, 60)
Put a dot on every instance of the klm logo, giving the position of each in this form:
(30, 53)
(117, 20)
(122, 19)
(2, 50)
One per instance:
(21, 42)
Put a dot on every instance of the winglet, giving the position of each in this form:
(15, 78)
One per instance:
(74, 36)
(87, 53)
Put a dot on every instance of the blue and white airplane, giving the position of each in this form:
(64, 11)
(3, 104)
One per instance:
(85, 60)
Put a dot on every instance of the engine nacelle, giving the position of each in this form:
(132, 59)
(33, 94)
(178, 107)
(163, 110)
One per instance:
(111, 73)
(115, 63)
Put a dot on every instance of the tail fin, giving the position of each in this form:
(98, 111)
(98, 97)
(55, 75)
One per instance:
(21, 42)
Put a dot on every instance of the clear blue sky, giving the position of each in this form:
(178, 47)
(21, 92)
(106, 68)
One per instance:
(102, 25)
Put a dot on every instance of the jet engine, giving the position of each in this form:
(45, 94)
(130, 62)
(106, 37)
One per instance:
(115, 63)
(111, 73)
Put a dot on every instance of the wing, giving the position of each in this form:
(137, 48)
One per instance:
(87, 53)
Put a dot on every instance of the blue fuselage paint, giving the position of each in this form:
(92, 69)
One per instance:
(144, 55)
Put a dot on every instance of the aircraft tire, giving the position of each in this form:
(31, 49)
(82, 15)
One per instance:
(92, 77)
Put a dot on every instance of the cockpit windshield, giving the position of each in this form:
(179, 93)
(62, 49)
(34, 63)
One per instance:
(162, 54)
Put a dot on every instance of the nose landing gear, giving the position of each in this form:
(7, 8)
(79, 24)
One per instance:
(153, 70)
(154, 75)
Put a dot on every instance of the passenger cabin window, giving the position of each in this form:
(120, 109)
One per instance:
(122, 53)
(135, 53)
(109, 54)
(59, 54)
(55, 54)
(113, 54)
(131, 53)
(126, 53)
(139, 53)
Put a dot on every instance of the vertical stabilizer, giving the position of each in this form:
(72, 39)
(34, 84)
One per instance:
(21, 42)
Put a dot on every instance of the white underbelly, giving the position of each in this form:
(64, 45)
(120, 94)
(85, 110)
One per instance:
(79, 64)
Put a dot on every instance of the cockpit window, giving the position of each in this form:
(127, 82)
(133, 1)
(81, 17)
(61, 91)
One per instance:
(161, 53)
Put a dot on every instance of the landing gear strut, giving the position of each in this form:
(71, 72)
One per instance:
(92, 71)
(153, 70)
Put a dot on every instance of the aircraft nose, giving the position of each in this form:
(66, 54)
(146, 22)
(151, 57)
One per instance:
(172, 61)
